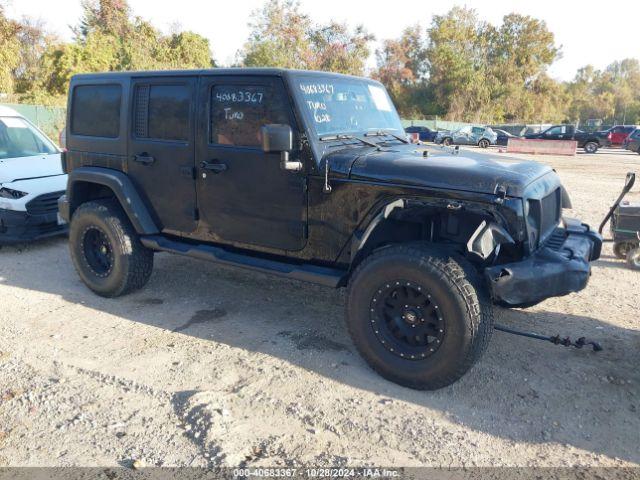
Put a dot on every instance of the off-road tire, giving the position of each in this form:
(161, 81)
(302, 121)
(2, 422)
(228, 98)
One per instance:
(621, 249)
(447, 141)
(453, 284)
(633, 258)
(483, 143)
(131, 262)
(591, 147)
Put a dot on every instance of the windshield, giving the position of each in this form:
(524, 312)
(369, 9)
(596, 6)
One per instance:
(18, 138)
(334, 106)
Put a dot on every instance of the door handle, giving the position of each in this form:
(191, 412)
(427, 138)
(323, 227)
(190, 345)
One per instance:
(144, 158)
(214, 167)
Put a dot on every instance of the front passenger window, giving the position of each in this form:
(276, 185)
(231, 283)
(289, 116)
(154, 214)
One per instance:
(239, 111)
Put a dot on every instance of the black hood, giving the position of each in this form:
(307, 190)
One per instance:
(467, 171)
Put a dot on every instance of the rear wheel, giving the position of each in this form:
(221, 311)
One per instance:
(106, 250)
(420, 318)
(633, 258)
(591, 147)
(483, 143)
(447, 141)
(621, 249)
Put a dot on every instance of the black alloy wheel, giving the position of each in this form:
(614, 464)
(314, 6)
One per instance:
(98, 251)
(406, 320)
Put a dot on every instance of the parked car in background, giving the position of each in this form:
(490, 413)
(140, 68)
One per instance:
(425, 134)
(503, 137)
(31, 180)
(468, 135)
(632, 142)
(616, 136)
(590, 142)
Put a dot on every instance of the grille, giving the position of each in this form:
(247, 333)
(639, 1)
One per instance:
(543, 217)
(43, 204)
(550, 213)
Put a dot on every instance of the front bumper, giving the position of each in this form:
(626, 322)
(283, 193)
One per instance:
(19, 226)
(558, 268)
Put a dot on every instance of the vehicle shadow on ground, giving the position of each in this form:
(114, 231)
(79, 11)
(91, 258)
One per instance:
(304, 325)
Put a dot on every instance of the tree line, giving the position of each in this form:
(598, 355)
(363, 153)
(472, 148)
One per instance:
(458, 67)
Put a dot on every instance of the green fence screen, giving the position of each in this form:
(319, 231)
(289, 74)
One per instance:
(50, 120)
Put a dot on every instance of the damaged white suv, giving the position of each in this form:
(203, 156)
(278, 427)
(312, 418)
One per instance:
(31, 181)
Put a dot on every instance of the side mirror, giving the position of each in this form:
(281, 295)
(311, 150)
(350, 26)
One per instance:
(277, 138)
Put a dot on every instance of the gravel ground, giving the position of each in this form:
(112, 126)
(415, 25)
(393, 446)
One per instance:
(214, 367)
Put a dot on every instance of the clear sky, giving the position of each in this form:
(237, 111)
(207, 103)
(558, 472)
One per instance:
(590, 32)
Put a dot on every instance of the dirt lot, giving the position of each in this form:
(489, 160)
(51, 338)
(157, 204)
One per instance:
(208, 366)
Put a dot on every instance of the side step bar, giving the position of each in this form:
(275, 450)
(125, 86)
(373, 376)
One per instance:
(329, 277)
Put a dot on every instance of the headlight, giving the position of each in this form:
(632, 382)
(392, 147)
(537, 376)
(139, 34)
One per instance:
(11, 194)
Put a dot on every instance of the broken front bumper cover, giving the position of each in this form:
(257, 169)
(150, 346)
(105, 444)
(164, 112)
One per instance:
(19, 226)
(558, 268)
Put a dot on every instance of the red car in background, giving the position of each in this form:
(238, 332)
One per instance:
(618, 134)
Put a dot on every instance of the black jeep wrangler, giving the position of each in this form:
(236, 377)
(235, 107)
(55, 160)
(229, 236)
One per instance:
(309, 175)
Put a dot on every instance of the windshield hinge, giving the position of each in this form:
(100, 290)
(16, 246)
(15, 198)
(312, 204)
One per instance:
(501, 193)
(326, 188)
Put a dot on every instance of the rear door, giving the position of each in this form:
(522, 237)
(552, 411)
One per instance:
(162, 149)
(244, 196)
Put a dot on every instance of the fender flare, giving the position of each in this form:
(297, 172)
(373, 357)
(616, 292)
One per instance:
(126, 193)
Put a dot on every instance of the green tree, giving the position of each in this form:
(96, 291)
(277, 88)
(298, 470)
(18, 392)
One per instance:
(402, 68)
(34, 41)
(283, 36)
(611, 95)
(9, 51)
(520, 50)
(108, 39)
(457, 57)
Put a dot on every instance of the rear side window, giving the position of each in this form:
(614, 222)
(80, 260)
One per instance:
(95, 110)
(238, 112)
(162, 112)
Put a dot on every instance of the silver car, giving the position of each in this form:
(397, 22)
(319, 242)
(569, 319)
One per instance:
(468, 135)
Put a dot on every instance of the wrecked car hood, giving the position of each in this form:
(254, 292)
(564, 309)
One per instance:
(467, 171)
(25, 168)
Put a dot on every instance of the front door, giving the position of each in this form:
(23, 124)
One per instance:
(162, 149)
(244, 197)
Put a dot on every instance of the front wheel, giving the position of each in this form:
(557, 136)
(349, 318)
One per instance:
(591, 147)
(621, 249)
(420, 318)
(106, 250)
(447, 142)
(484, 143)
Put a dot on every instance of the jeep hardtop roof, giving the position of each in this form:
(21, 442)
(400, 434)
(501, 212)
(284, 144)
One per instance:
(280, 72)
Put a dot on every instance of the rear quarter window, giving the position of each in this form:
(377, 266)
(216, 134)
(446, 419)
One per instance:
(95, 110)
